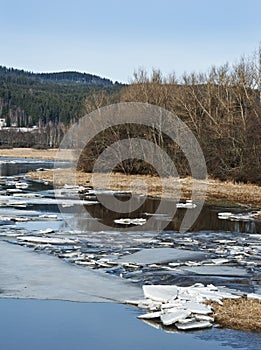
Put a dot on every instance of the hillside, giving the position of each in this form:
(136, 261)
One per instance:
(28, 99)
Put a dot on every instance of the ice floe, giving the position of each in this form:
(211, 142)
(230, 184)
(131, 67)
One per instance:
(163, 255)
(160, 293)
(167, 304)
(246, 216)
(46, 240)
(188, 205)
(254, 296)
(21, 185)
(128, 221)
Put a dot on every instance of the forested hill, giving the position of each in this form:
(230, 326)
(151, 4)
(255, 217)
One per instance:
(28, 99)
(68, 77)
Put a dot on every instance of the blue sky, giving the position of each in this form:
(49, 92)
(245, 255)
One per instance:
(112, 38)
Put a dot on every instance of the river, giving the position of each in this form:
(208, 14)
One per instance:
(232, 259)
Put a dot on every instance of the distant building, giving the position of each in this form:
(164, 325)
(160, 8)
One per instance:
(2, 123)
(33, 129)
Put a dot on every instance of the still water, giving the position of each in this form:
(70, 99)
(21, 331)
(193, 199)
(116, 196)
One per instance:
(55, 325)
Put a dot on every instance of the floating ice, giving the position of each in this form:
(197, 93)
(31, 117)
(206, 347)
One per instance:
(237, 216)
(47, 240)
(14, 190)
(183, 307)
(160, 293)
(224, 215)
(128, 221)
(173, 317)
(188, 205)
(254, 296)
(163, 255)
(193, 325)
(49, 216)
(46, 231)
(22, 185)
(28, 195)
(150, 315)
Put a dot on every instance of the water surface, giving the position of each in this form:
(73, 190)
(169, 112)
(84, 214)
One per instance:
(53, 325)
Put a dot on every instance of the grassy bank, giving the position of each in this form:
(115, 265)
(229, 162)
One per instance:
(46, 154)
(241, 314)
(217, 191)
(225, 192)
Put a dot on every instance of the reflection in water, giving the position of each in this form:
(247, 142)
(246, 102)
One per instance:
(207, 221)
(10, 167)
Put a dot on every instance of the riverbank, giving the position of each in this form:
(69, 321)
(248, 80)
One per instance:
(222, 192)
(46, 154)
(241, 314)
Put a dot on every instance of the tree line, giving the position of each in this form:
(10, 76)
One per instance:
(28, 99)
(222, 107)
(50, 101)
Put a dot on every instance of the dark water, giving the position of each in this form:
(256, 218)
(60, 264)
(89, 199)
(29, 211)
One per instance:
(55, 325)
(207, 220)
(18, 166)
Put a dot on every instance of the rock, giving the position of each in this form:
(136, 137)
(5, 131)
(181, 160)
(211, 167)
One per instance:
(173, 317)
(160, 293)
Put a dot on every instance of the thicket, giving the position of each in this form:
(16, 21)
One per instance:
(222, 107)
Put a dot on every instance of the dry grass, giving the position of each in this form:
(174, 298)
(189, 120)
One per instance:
(48, 154)
(241, 314)
(217, 191)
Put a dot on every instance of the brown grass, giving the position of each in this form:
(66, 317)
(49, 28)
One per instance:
(48, 154)
(225, 192)
(242, 314)
(217, 191)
